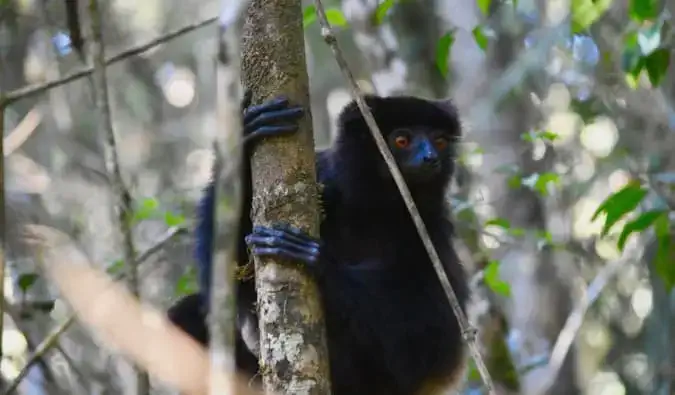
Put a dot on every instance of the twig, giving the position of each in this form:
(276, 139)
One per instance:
(21, 132)
(573, 323)
(15, 315)
(123, 205)
(30, 90)
(222, 309)
(51, 340)
(468, 332)
(2, 223)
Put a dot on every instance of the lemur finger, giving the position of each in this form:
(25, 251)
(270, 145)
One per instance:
(266, 131)
(251, 112)
(268, 118)
(277, 251)
(287, 232)
(256, 240)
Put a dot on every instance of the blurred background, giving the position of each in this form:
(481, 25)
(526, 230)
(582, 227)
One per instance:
(567, 110)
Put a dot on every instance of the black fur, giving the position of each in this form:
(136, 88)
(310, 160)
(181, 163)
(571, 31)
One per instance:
(390, 327)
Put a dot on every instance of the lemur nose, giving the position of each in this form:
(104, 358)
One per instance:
(431, 160)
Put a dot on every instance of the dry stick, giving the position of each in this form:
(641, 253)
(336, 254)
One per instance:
(124, 200)
(14, 313)
(52, 339)
(222, 311)
(468, 332)
(39, 352)
(2, 220)
(30, 90)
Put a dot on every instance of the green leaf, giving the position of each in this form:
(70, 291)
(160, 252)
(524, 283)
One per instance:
(500, 222)
(336, 17)
(147, 209)
(443, 51)
(116, 267)
(644, 221)
(545, 135)
(586, 12)
(617, 205)
(172, 219)
(480, 37)
(656, 65)
(649, 38)
(494, 282)
(665, 255)
(382, 10)
(484, 6)
(632, 62)
(539, 181)
(27, 280)
(187, 283)
(308, 16)
(643, 10)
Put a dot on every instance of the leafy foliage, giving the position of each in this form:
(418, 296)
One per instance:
(494, 282)
(443, 48)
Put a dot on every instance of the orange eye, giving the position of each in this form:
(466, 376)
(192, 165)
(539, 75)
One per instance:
(441, 143)
(401, 141)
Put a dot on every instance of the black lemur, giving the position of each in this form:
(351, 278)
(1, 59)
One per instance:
(390, 328)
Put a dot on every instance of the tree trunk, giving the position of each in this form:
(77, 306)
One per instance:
(293, 355)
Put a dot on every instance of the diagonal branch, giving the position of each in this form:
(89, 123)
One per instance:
(468, 331)
(30, 90)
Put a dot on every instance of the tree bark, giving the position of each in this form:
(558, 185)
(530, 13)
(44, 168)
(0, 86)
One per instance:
(293, 357)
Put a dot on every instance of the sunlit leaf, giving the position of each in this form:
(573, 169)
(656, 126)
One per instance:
(480, 37)
(649, 38)
(642, 10)
(146, 209)
(617, 205)
(545, 135)
(656, 65)
(500, 222)
(336, 17)
(665, 255)
(484, 6)
(494, 281)
(443, 47)
(586, 12)
(644, 221)
(540, 181)
(172, 219)
(308, 15)
(382, 10)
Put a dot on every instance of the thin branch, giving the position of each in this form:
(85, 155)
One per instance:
(468, 331)
(52, 339)
(15, 315)
(573, 323)
(30, 90)
(123, 205)
(2, 223)
(222, 305)
(21, 132)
